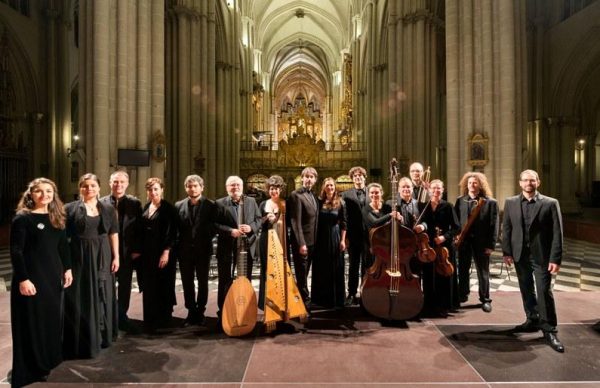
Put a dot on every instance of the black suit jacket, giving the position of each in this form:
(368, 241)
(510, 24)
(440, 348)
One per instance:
(195, 234)
(130, 211)
(303, 217)
(226, 221)
(354, 215)
(545, 232)
(485, 228)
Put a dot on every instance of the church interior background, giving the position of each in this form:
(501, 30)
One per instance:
(257, 87)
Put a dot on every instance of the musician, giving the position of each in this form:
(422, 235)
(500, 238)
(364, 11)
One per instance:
(440, 292)
(375, 213)
(273, 217)
(532, 240)
(195, 216)
(355, 199)
(416, 173)
(327, 286)
(231, 224)
(303, 209)
(480, 242)
(129, 212)
(408, 207)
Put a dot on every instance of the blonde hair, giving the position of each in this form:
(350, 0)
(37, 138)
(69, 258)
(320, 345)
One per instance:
(335, 202)
(484, 186)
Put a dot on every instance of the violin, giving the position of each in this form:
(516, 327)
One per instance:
(443, 266)
(425, 253)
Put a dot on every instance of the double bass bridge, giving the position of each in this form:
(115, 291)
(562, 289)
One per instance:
(393, 274)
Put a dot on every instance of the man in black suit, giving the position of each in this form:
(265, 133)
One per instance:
(480, 241)
(129, 211)
(532, 240)
(196, 215)
(232, 224)
(303, 209)
(355, 199)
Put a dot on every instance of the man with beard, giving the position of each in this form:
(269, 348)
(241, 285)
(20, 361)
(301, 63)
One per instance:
(237, 216)
(196, 215)
(532, 240)
(303, 209)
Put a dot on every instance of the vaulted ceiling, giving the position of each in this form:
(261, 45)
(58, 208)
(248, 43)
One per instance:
(301, 44)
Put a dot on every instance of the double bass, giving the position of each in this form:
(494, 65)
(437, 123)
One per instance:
(390, 290)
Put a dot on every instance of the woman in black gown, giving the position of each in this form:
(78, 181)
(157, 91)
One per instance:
(327, 286)
(273, 217)
(441, 293)
(159, 226)
(91, 320)
(41, 264)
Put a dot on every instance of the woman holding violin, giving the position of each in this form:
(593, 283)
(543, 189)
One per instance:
(440, 283)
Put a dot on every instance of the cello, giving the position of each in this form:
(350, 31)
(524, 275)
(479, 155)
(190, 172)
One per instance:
(390, 290)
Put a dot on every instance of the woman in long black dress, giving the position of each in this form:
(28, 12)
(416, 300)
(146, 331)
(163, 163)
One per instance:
(91, 320)
(159, 226)
(440, 291)
(41, 264)
(273, 217)
(327, 286)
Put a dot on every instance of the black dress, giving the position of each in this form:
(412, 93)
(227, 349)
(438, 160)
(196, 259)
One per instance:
(91, 318)
(158, 284)
(327, 286)
(441, 292)
(373, 219)
(39, 253)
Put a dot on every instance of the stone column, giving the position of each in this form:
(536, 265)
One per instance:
(485, 82)
(121, 84)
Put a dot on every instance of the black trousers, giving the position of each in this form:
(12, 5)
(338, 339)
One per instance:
(468, 252)
(195, 267)
(124, 276)
(356, 268)
(538, 300)
(301, 269)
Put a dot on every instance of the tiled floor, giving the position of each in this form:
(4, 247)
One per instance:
(469, 348)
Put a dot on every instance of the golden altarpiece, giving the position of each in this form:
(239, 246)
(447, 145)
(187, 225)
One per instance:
(299, 140)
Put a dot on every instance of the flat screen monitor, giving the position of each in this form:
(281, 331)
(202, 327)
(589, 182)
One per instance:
(126, 157)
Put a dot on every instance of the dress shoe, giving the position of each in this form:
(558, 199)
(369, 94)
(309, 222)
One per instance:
(486, 307)
(529, 326)
(554, 342)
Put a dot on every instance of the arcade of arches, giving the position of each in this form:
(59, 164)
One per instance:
(256, 87)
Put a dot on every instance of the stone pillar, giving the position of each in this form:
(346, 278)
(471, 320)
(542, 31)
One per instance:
(121, 84)
(405, 119)
(559, 150)
(485, 82)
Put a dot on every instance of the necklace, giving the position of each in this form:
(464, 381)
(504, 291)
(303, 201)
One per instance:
(92, 209)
